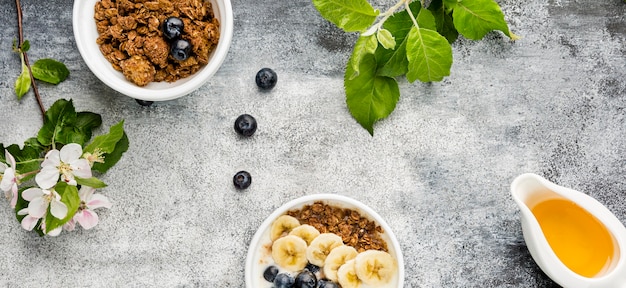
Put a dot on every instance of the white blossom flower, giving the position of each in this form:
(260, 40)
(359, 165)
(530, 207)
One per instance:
(85, 216)
(28, 222)
(9, 179)
(40, 199)
(54, 232)
(66, 162)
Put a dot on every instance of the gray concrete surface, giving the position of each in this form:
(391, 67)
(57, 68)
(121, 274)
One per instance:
(438, 170)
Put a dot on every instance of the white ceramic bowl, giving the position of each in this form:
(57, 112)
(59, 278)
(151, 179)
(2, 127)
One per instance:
(256, 261)
(85, 34)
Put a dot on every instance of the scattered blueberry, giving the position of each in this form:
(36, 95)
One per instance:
(242, 180)
(144, 102)
(283, 280)
(266, 78)
(312, 267)
(180, 49)
(323, 283)
(172, 28)
(306, 279)
(270, 273)
(245, 125)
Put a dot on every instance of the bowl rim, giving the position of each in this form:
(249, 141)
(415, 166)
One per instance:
(256, 239)
(83, 10)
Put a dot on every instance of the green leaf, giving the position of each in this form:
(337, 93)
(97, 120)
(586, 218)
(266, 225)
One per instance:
(91, 182)
(445, 24)
(474, 19)
(25, 46)
(107, 142)
(425, 19)
(50, 70)
(450, 4)
(365, 45)
(429, 55)
(22, 84)
(86, 122)
(69, 196)
(112, 158)
(386, 39)
(60, 115)
(26, 159)
(349, 15)
(393, 63)
(370, 97)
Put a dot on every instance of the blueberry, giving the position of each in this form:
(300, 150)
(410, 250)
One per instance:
(242, 180)
(266, 78)
(180, 49)
(144, 102)
(306, 279)
(245, 125)
(323, 283)
(283, 280)
(172, 28)
(312, 267)
(270, 273)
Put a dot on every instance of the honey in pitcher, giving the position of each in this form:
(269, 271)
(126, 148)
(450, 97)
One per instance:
(577, 238)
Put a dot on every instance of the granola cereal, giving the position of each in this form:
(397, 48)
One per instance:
(130, 37)
(354, 229)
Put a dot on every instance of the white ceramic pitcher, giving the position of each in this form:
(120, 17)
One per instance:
(530, 189)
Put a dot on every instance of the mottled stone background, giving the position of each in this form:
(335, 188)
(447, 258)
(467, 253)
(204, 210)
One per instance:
(438, 169)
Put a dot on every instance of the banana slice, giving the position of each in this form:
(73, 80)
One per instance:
(375, 268)
(289, 252)
(283, 225)
(306, 232)
(336, 258)
(321, 246)
(346, 275)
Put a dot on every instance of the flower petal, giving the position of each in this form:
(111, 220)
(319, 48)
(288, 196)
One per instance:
(85, 193)
(10, 159)
(81, 168)
(14, 196)
(71, 152)
(55, 232)
(87, 218)
(98, 201)
(3, 167)
(7, 179)
(58, 209)
(31, 193)
(52, 159)
(37, 208)
(29, 222)
(70, 225)
(47, 177)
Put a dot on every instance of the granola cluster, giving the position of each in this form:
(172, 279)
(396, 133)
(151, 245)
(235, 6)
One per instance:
(354, 229)
(131, 39)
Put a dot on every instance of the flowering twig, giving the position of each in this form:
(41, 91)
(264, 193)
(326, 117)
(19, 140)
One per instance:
(18, 5)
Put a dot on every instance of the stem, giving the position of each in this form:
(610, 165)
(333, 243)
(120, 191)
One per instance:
(30, 71)
(29, 161)
(408, 10)
(385, 16)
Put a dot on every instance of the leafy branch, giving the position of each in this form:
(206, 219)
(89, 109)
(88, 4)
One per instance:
(414, 43)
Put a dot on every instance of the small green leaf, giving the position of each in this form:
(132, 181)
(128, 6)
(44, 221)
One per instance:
(386, 39)
(22, 84)
(69, 196)
(474, 19)
(393, 63)
(112, 158)
(370, 97)
(86, 122)
(429, 55)
(450, 4)
(25, 46)
(365, 45)
(59, 116)
(445, 24)
(50, 70)
(24, 159)
(107, 142)
(425, 19)
(91, 182)
(349, 15)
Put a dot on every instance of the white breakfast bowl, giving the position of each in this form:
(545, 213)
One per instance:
(257, 258)
(85, 35)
